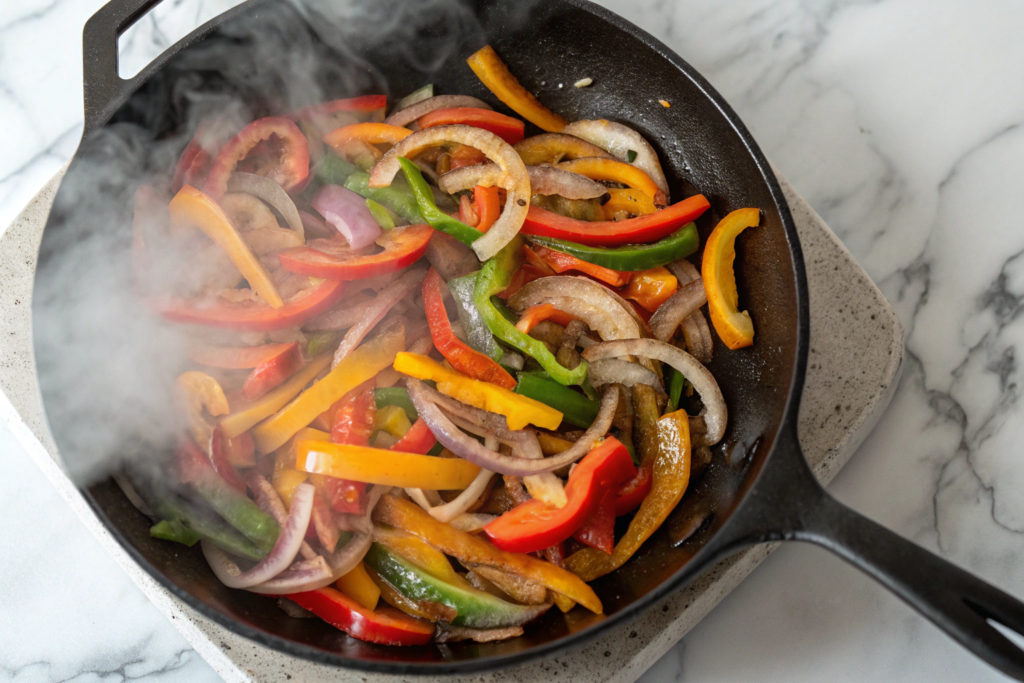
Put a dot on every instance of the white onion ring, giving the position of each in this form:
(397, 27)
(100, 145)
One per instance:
(270, 192)
(468, 177)
(621, 371)
(677, 308)
(403, 117)
(695, 328)
(620, 140)
(452, 509)
(552, 180)
(702, 380)
(280, 557)
(608, 314)
(514, 178)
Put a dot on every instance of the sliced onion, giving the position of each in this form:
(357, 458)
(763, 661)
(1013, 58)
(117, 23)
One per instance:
(450, 257)
(514, 178)
(620, 140)
(717, 414)
(270, 502)
(270, 192)
(446, 633)
(470, 521)
(621, 371)
(552, 180)
(696, 332)
(468, 177)
(341, 318)
(406, 115)
(347, 211)
(465, 446)
(279, 558)
(607, 312)
(452, 509)
(315, 227)
(376, 310)
(677, 308)
(418, 95)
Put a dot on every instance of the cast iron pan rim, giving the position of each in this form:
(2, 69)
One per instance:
(699, 562)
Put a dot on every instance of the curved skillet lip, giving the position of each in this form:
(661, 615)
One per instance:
(702, 560)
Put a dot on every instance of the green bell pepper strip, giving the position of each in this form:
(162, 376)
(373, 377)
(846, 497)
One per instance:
(240, 512)
(494, 277)
(380, 214)
(333, 170)
(576, 409)
(630, 257)
(179, 515)
(174, 530)
(396, 396)
(435, 217)
(478, 334)
(396, 198)
(675, 390)
(475, 608)
(319, 343)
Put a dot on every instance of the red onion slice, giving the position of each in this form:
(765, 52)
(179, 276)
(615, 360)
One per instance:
(620, 140)
(403, 117)
(387, 298)
(702, 380)
(279, 558)
(347, 211)
(465, 446)
(677, 308)
(270, 502)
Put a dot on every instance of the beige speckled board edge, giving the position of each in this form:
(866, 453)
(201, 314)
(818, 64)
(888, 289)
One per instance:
(836, 415)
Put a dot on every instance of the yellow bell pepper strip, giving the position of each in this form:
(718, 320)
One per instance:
(192, 207)
(493, 73)
(194, 392)
(360, 365)
(286, 478)
(734, 326)
(615, 171)
(419, 552)
(392, 420)
(245, 417)
(551, 148)
(670, 478)
(627, 200)
(385, 467)
(651, 288)
(358, 585)
(467, 548)
(519, 411)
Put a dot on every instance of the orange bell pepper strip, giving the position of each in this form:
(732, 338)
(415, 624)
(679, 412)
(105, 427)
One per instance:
(385, 467)
(487, 205)
(535, 314)
(560, 262)
(651, 288)
(372, 133)
(493, 73)
(670, 477)
(463, 358)
(245, 417)
(358, 585)
(467, 548)
(734, 326)
(615, 171)
(360, 365)
(627, 200)
(192, 207)
(518, 410)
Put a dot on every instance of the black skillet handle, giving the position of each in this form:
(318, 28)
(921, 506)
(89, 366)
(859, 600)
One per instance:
(104, 89)
(788, 503)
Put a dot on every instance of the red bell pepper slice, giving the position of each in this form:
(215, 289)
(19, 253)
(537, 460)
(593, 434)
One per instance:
(402, 247)
(534, 525)
(384, 626)
(561, 262)
(533, 315)
(353, 425)
(278, 149)
(270, 373)
(633, 492)
(194, 466)
(648, 228)
(598, 530)
(252, 315)
(505, 127)
(463, 358)
(464, 155)
(419, 439)
(363, 104)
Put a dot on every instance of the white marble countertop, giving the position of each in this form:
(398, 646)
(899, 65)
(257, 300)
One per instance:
(899, 120)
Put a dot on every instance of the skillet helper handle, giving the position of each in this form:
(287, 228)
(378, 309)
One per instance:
(790, 504)
(103, 88)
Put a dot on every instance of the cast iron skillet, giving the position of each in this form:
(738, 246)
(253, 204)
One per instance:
(759, 487)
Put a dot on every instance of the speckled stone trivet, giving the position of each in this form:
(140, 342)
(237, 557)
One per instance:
(837, 413)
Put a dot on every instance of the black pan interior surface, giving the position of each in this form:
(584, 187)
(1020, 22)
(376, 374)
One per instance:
(274, 56)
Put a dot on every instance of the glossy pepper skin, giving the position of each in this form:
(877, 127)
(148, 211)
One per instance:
(493, 73)
(384, 626)
(399, 199)
(533, 526)
(651, 288)
(402, 247)
(576, 409)
(561, 262)
(384, 467)
(289, 169)
(272, 372)
(474, 608)
(495, 277)
(353, 424)
(179, 513)
(733, 326)
(464, 359)
(395, 396)
(630, 257)
(505, 127)
(434, 217)
(649, 228)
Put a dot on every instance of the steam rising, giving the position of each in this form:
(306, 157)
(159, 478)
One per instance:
(106, 361)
